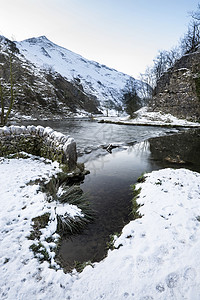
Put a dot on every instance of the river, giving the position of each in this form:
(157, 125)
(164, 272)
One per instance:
(108, 186)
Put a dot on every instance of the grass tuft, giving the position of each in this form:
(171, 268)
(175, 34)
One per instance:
(135, 205)
(79, 266)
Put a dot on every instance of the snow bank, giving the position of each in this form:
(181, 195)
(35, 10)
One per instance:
(21, 273)
(144, 117)
(157, 256)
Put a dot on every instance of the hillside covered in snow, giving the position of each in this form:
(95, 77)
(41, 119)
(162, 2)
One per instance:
(53, 82)
(99, 80)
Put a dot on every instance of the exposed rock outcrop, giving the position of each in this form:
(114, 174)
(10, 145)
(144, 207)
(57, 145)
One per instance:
(178, 90)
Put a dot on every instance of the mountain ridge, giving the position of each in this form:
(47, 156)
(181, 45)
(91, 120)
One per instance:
(48, 75)
(98, 80)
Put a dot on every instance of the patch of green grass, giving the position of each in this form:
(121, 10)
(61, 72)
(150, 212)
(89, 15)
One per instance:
(110, 243)
(60, 190)
(136, 193)
(40, 249)
(65, 168)
(141, 179)
(68, 225)
(135, 205)
(79, 266)
(38, 223)
(72, 195)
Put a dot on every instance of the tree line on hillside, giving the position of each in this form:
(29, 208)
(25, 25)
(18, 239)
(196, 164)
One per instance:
(164, 60)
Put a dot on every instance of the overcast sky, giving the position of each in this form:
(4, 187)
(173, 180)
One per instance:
(122, 34)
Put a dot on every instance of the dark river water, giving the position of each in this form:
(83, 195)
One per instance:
(140, 149)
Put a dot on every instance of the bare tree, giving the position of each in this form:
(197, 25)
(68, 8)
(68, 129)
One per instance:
(196, 14)
(162, 62)
(172, 56)
(147, 84)
(132, 102)
(166, 59)
(108, 105)
(191, 40)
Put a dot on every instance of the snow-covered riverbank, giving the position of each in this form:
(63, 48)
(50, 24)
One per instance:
(145, 117)
(22, 276)
(158, 255)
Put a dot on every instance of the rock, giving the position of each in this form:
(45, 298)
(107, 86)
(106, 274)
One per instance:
(47, 131)
(110, 147)
(31, 129)
(16, 129)
(40, 130)
(6, 130)
(175, 160)
(70, 153)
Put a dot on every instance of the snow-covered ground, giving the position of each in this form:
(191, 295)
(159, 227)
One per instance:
(145, 117)
(158, 255)
(22, 276)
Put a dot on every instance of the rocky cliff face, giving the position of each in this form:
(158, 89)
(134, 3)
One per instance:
(178, 90)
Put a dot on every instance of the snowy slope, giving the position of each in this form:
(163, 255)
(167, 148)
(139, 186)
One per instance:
(104, 83)
(156, 257)
(40, 94)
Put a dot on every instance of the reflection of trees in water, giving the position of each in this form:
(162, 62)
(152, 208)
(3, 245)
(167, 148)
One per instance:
(185, 146)
(98, 164)
(177, 148)
(140, 148)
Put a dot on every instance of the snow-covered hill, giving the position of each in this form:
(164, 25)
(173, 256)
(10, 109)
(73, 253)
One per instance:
(53, 82)
(96, 79)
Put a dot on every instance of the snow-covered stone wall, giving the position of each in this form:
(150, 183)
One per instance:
(38, 140)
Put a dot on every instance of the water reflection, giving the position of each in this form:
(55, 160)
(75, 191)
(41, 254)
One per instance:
(108, 187)
(180, 150)
(108, 184)
(91, 137)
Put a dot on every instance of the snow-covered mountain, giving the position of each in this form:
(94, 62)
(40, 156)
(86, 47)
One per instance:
(99, 80)
(53, 82)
